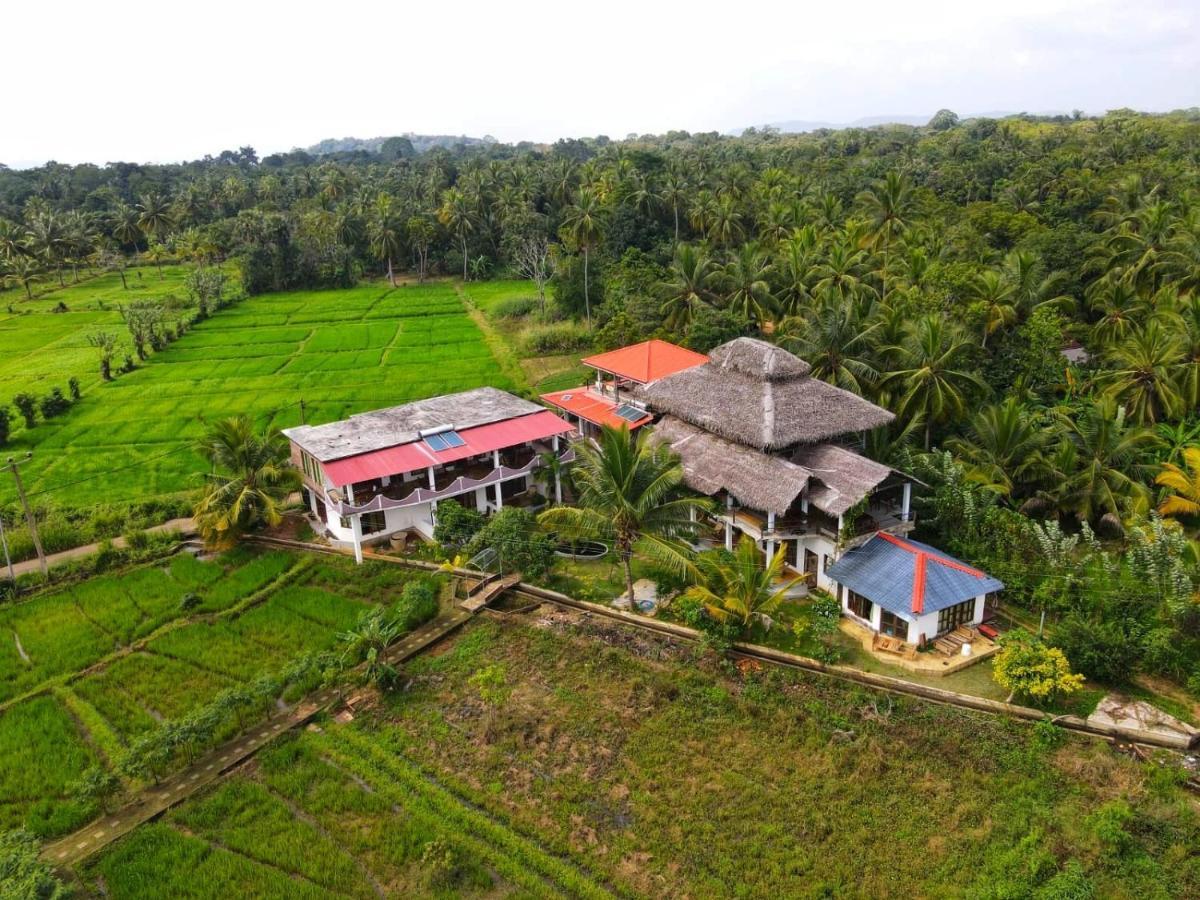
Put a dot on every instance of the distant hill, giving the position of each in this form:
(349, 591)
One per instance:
(797, 126)
(420, 142)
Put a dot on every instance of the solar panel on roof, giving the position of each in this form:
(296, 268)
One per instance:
(436, 442)
(452, 439)
(630, 413)
(444, 440)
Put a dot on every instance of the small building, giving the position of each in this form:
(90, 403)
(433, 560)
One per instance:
(382, 472)
(614, 397)
(907, 590)
(775, 448)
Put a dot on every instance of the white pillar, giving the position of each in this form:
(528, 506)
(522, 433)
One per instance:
(350, 494)
(770, 553)
(356, 530)
(770, 523)
(499, 495)
(728, 522)
(906, 502)
(557, 474)
(432, 480)
(799, 556)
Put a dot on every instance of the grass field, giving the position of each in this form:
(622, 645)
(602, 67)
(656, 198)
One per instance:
(339, 351)
(75, 693)
(560, 756)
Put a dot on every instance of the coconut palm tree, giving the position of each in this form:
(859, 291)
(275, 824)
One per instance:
(48, 240)
(1184, 484)
(746, 282)
(1145, 372)
(736, 588)
(24, 271)
(1104, 478)
(458, 213)
(1003, 446)
(385, 230)
(998, 300)
(249, 482)
(123, 223)
(836, 343)
(582, 225)
(154, 216)
(631, 494)
(932, 378)
(890, 205)
(693, 277)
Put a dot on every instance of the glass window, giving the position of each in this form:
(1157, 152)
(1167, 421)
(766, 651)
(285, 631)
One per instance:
(859, 605)
(953, 616)
(373, 522)
(893, 626)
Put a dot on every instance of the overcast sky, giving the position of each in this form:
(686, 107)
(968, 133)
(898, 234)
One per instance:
(158, 81)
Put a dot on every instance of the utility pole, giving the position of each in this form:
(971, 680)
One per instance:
(7, 559)
(33, 532)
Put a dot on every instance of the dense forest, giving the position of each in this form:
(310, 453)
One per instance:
(1024, 294)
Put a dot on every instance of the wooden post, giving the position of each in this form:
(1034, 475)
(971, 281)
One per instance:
(33, 532)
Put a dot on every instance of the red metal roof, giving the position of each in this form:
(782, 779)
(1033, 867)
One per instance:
(418, 455)
(646, 361)
(595, 409)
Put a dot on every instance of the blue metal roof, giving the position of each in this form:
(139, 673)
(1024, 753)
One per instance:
(884, 570)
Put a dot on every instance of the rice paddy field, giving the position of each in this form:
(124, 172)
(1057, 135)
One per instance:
(88, 669)
(557, 756)
(339, 352)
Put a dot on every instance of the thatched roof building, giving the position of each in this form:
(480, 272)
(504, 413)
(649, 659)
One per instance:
(841, 478)
(712, 464)
(761, 396)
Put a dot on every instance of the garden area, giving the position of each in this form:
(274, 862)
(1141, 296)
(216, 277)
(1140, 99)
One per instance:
(112, 682)
(555, 754)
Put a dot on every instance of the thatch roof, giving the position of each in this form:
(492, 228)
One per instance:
(382, 428)
(712, 464)
(841, 477)
(761, 396)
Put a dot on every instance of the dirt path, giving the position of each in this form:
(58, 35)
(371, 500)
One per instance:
(183, 526)
(154, 800)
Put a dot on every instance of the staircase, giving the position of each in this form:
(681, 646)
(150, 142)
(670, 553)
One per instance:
(951, 644)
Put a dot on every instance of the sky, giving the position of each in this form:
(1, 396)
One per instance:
(162, 81)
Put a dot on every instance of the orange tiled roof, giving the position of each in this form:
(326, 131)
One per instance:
(592, 407)
(647, 361)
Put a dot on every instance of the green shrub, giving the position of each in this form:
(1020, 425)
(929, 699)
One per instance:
(417, 604)
(27, 406)
(513, 535)
(5, 424)
(456, 525)
(22, 873)
(513, 307)
(1107, 651)
(559, 337)
(138, 539)
(54, 404)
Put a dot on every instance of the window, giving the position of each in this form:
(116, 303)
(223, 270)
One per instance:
(953, 616)
(826, 563)
(373, 522)
(893, 626)
(859, 605)
(311, 467)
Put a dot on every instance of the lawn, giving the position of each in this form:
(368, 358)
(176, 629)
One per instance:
(340, 352)
(558, 754)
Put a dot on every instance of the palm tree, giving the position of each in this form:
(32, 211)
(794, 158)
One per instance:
(932, 378)
(674, 192)
(1106, 450)
(746, 280)
(123, 222)
(736, 588)
(48, 240)
(889, 205)
(386, 234)
(366, 644)
(998, 300)
(835, 342)
(630, 493)
(1145, 374)
(24, 271)
(1002, 447)
(691, 286)
(249, 483)
(154, 216)
(1184, 482)
(582, 225)
(459, 215)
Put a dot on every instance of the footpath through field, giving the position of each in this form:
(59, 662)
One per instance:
(183, 526)
(153, 801)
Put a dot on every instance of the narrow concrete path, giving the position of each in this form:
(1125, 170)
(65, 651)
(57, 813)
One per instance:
(183, 526)
(156, 799)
